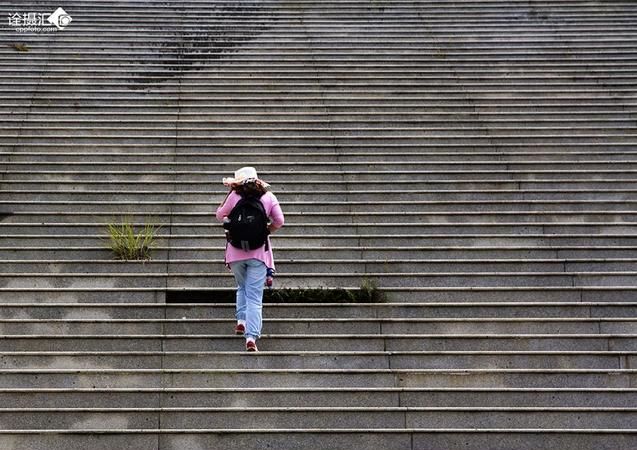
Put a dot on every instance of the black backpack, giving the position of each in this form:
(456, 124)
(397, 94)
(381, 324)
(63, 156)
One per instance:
(248, 225)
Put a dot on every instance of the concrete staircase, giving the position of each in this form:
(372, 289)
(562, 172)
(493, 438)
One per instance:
(476, 159)
(426, 376)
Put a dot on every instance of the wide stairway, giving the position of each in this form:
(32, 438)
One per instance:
(476, 160)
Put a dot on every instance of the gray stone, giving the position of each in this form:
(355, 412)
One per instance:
(288, 440)
(97, 441)
(529, 440)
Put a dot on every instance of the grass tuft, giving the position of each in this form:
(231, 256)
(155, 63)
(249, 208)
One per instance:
(20, 47)
(367, 293)
(128, 245)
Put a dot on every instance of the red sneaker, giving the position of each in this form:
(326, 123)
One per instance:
(251, 346)
(240, 329)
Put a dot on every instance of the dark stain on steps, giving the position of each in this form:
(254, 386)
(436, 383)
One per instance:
(190, 49)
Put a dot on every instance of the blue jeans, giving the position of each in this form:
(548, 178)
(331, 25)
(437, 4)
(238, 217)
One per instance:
(250, 277)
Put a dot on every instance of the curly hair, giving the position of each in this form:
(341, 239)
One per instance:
(250, 189)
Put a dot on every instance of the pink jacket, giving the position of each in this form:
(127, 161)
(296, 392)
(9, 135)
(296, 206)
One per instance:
(273, 211)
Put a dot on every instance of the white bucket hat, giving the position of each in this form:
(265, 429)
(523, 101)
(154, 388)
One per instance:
(243, 176)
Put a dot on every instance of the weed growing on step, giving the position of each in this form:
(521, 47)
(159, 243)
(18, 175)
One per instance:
(440, 54)
(370, 293)
(367, 293)
(20, 47)
(128, 245)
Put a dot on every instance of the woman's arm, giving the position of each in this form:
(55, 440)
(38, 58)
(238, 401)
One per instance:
(276, 216)
(224, 208)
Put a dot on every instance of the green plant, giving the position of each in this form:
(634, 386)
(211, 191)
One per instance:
(21, 47)
(440, 54)
(129, 245)
(367, 293)
(370, 293)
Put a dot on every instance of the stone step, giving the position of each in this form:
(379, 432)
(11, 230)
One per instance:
(391, 19)
(378, 44)
(299, 439)
(291, 26)
(286, 107)
(487, 189)
(341, 311)
(549, 230)
(404, 13)
(292, 65)
(278, 41)
(318, 280)
(326, 218)
(445, 95)
(441, 91)
(349, 14)
(348, 154)
(335, 97)
(336, 69)
(233, 32)
(326, 129)
(601, 115)
(515, 100)
(438, 325)
(376, 80)
(458, 294)
(440, 103)
(288, 35)
(320, 397)
(509, 138)
(389, 167)
(451, 155)
(326, 418)
(374, 251)
(108, 18)
(600, 75)
(616, 64)
(385, 43)
(323, 209)
(476, 7)
(545, 185)
(381, 37)
(323, 342)
(377, 84)
(476, 246)
(212, 237)
(312, 360)
(286, 196)
(102, 378)
(176, 267)
(115, 177)
(121, 295)
(308, 8)
(390, 149)
(115, 30)
(335, 78)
